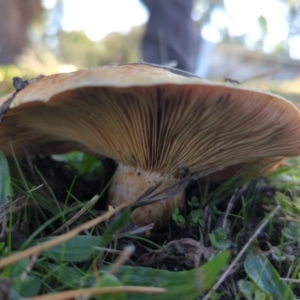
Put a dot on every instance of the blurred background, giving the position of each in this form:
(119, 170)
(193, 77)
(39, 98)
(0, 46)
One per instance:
(255, 42)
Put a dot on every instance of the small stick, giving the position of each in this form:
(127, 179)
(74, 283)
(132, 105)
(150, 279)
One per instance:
(29, 267)
(35, 250)
(126, 253)
(99, 291)
(77, 215)
(243, 250)
(237, 193)
(135, 231)
(290, 280)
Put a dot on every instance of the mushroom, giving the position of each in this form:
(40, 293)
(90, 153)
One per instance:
(152, 121)
(245, 171)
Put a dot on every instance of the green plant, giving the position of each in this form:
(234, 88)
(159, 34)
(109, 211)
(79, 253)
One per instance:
(193, 218)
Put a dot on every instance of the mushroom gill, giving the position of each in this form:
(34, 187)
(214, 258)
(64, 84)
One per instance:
(152, 121)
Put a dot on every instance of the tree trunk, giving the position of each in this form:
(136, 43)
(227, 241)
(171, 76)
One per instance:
(15, 19)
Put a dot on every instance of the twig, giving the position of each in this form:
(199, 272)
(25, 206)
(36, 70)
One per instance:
(207, 224)
(234, 196)
(35, 250)
(29, 267)
(12, 206)
(243, 250)
(5, 285)
(290, 280)
(77, 215)
(237, 193)
(8, 207)
(99, 291)
(109, 250)
(135, 231)
(148, 198)
(125, 254)
(266, 74)
(29, 161)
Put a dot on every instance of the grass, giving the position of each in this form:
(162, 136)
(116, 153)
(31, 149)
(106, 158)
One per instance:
(235, 240)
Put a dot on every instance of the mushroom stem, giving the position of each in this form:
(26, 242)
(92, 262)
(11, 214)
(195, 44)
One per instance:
(130, 183)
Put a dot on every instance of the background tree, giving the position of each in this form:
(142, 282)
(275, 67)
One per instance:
(16, 17)
(77, 49)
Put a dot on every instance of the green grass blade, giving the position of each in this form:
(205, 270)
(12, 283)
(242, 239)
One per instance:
(109, 280)
(4, 177)
(260, 270)
(184, 285)
(117, 224)
(79, 249)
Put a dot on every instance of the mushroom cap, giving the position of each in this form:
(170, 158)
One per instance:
(247, 171)
(152, 118)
